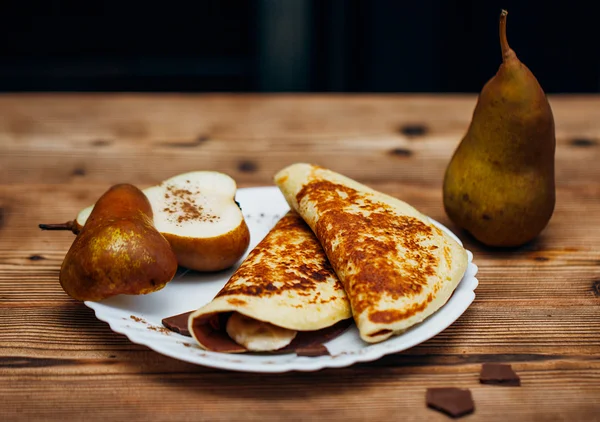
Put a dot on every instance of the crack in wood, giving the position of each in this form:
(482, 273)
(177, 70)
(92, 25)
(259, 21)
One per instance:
(247, 166)
(26, 362)
(401, 152)
(186, 144)
(401, 360)
(101, 142)
(584, 142)
(413, 129)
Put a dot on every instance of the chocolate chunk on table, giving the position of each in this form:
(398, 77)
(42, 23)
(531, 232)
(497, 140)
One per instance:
(455, 402)
(498, 374)
(312, 350)
(178, 323)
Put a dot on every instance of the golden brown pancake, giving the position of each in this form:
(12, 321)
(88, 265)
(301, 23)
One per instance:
(285, 285)
(396, 266)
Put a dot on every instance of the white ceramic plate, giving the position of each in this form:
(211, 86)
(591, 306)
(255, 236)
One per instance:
(139, 317)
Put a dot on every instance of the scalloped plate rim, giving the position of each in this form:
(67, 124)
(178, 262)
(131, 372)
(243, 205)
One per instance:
(183, 348)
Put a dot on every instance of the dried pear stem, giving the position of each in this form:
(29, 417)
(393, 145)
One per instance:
(503, 40)
(69, 225)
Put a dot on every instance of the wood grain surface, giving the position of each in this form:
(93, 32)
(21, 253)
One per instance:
(537, 307)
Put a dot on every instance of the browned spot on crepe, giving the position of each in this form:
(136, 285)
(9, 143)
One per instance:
(261, 280)
(396, 315)
(236, 302)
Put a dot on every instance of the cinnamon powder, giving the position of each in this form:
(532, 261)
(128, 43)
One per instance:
(181, 206)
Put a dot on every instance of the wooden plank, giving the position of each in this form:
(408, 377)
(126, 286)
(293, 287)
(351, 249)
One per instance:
(98, 138)
(568, 391)
(25, 207)
(571, 327)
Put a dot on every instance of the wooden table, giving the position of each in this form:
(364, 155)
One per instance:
(537, 307)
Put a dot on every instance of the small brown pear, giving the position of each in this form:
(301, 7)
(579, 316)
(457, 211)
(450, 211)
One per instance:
(118, 250)
(499, 185)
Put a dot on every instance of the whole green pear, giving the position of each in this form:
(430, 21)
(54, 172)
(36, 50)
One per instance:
(499, 185)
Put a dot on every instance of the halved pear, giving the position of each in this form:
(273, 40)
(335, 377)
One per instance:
(197, 213)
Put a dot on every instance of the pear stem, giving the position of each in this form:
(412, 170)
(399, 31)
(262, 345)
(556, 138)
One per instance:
(69, 225)
(503, 40)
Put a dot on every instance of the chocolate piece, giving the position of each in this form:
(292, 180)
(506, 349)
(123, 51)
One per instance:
(178, 323)
(452, 401)
(498, 374)
(312, 351)
(303, 340)
(207, 332)
(306, 339)
(218, 340)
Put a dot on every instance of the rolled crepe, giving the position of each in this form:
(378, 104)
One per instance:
(396, 266)
(284, 286)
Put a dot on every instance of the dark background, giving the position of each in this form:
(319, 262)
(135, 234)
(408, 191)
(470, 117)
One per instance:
(292, 45)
